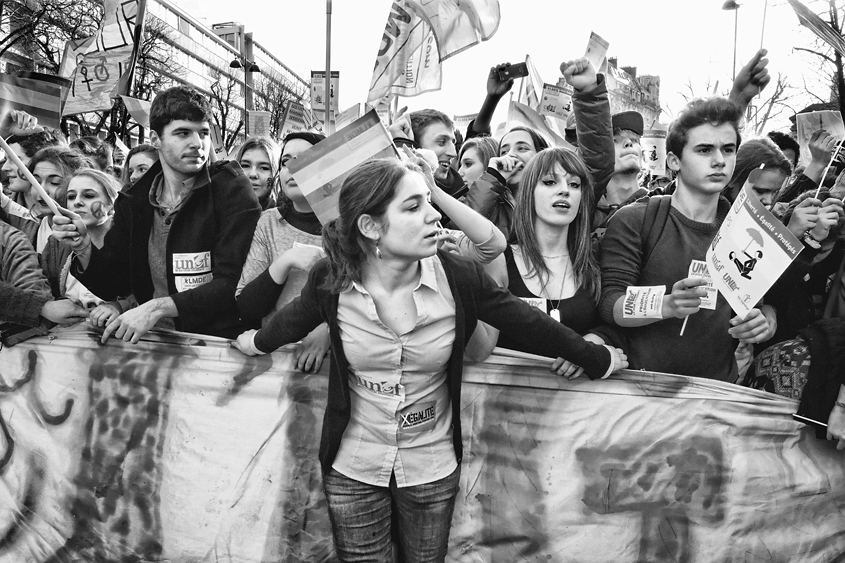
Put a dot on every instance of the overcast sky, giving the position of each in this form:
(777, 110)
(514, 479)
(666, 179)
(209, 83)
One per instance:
(682, 41)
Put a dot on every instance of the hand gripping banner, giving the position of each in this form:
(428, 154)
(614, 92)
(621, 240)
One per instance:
(182, 449)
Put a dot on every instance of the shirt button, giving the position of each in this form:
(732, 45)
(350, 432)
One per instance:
(161, 211)
(167, 221)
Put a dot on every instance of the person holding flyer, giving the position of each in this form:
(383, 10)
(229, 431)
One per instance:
(650, 286)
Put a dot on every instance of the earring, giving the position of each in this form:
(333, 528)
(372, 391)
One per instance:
(378, 251)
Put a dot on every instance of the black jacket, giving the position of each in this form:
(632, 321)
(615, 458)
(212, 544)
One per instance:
(477, 297)
(218, 216)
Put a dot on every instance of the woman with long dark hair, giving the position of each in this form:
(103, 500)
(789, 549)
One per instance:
(493, 194)
(551, 262)
(399, 313)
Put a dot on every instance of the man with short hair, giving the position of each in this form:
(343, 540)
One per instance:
(701, 147)
(180, 234)
(622, 188)
(433, 130)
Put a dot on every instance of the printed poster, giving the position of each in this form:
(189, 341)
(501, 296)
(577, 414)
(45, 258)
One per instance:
(653, 143)
(750, 252)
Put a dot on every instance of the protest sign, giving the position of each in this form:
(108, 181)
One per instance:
(108, 59)
(294, 119)
(462, 122)
(36, 97)
(179, 447)
(808, 123)
(318, 94)
(258, 123)
(556, 101)
(320, 171)
(596, 50)
(750, 252)
(653, 143)
(383, 110)
(347, 116)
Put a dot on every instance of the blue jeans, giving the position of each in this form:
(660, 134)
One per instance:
(362, 514)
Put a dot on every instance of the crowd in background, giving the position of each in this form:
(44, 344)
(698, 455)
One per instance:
(437, 257)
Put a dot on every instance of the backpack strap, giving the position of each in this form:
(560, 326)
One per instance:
(654, 221)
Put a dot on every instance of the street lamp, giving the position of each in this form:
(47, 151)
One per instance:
(733, 5)
(249, 68)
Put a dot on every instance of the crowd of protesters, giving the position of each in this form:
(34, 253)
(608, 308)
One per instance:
(435, 259)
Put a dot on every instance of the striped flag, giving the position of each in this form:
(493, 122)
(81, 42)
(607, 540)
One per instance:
(320, 171)
(138, 109)
(520, 114)
(37, 98)
(821, 28)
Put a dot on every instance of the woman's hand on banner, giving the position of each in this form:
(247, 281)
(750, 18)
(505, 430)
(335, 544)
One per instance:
(308, 356)
(836, 420)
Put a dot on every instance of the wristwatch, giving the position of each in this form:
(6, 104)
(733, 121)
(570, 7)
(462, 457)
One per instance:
(811, 242)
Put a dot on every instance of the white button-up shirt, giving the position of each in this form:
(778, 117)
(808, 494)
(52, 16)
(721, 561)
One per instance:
(401, 417)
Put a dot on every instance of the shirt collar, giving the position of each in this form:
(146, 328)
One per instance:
(198, 180)
(428, 276)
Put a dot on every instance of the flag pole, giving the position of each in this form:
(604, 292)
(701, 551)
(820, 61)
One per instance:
(522, 81)
(328, 89)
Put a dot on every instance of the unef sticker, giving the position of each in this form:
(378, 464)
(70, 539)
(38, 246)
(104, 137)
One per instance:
(381, 387)
(191, 270)
(419, 416)
(698, 269)
(643, 302)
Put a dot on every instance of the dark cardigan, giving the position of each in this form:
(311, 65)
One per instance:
(477, 297)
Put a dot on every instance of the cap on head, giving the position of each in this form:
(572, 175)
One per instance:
(630, 120)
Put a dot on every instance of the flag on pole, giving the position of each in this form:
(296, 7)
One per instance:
(108, 59)
(36, 97)
(533, 91)
(419, 35)
(821, 28)
(459, 24)
(320, 171)
(520, 114)
(138, 109)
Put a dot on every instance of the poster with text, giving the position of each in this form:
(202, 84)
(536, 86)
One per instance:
(750, 252)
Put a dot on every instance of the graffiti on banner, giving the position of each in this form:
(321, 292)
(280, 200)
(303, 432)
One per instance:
(180, 446)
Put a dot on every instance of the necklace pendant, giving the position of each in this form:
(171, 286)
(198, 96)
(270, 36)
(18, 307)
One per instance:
(555, 314)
